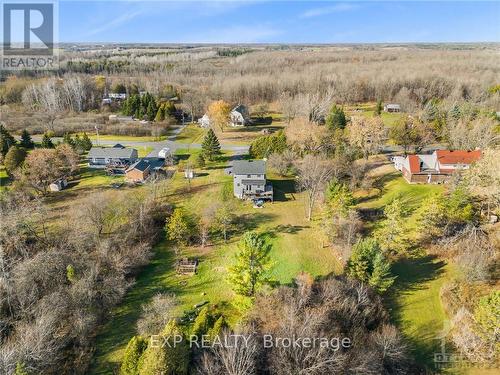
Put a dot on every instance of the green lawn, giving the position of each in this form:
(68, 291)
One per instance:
(4, 178)
(123, 138)
(296, 248)
(414, 302)
(192, 133)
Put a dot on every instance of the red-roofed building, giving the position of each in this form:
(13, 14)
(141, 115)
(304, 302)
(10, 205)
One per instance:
(437, 167)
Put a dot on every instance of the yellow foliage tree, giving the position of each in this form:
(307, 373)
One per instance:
(219, 113)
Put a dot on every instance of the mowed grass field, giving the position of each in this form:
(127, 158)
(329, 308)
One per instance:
(295, 248)
(414, 302)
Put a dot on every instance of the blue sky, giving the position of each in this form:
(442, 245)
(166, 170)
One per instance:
(278, 21)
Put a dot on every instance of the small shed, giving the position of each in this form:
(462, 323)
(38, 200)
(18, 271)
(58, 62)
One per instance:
(392, 108)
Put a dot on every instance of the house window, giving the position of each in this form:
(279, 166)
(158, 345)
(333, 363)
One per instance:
(238, 185)
(249, 175)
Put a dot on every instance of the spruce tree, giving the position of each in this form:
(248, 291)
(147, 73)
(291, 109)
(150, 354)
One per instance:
(201, 323)
(14, 158)
(6, 140)
(368, 264)
(166, 359)
(336, 118)
(210, 147)
(379, 107)
(47, 141)
(26, 140)
(68, 140)
(86, 142)
(133, 352)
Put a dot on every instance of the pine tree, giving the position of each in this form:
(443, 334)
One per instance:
(14, 158)
(160, 114)
(202, 323)
(336, 118)
(392, 234)
(47, 141)
(379, 108)
(210, 147)
(200, 161)
(26, 140)
(6, 140)
(252, 265)
(86, 142)
(151, 110)
(166, 359)
(339, 198)
(216, 330)
(179, 227)
(135, 347)
(368, 264)
(68, 140)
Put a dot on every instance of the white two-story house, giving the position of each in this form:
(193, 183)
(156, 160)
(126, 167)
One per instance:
(249, 180)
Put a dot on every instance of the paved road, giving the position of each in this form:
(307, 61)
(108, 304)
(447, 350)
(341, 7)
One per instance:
(170, 142)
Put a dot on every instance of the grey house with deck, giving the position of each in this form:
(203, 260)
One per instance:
(102, 157)
(249, 180)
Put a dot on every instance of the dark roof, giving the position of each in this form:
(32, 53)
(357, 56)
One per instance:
(145, 163)
(241, 109)
(141, 165)
(112, 152)
(249, 167)
(118, 146)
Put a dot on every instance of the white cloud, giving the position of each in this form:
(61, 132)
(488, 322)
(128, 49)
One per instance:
(341, 7)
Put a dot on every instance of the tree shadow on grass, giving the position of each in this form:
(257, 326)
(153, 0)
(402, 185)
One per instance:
(120, 327)
(412, 275)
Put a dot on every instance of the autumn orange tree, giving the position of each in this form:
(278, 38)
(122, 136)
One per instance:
(219, 113)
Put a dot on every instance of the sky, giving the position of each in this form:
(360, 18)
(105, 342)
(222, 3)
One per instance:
(278, 21)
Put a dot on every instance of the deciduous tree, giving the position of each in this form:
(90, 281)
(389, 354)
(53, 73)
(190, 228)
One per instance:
(219, 113)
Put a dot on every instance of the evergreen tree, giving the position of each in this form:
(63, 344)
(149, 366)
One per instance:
(6, 140)
(487, 316)
(166, 359)
(151, 110)
(210, 147)
(392, 234)
(68, 140)
(200, 161)
(86, 143)
(368, 264)
(339, 198)
(160, 114)
(179, 227)
(135, 347)
(379, 108)
(47, 141)
(336, 118)
(26, 141)
(21, 369)
(216, 330)
(202, 323)
(14, 159)
(252, 265)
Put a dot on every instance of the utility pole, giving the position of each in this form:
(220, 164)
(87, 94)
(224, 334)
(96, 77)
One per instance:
(97, 133)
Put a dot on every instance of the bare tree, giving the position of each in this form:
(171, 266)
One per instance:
(156, 314)
(313, 174)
